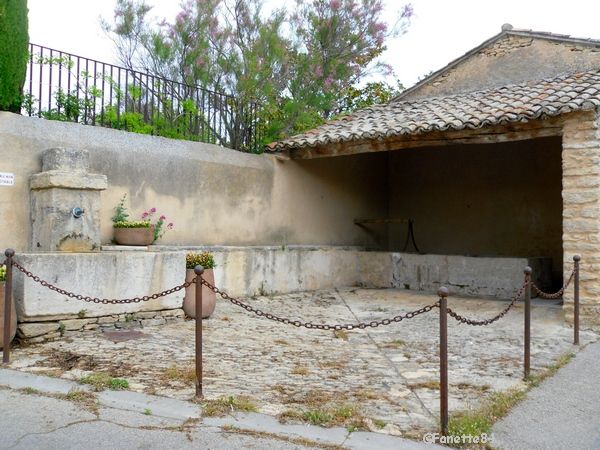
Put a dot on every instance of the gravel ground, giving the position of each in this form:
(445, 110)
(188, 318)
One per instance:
(388, 375)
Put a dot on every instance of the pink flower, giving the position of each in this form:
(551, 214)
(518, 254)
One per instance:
(170, 226)
(152, 210)
(162, 218)
(144, 215)
(379, 26)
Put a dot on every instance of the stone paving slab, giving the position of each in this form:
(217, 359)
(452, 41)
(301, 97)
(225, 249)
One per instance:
(389, 373)
(160, 406)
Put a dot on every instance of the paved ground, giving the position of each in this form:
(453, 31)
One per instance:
(386, 375)
(33, 417)
(563, 412)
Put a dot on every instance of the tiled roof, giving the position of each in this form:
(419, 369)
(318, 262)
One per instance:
(514, 103)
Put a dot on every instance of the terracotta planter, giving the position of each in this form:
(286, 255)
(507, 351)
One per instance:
(13, 317)
(209, 298)
(134, 236)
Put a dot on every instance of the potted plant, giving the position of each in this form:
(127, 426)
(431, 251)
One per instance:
(13, 312)
(137, 232)
(209, 298)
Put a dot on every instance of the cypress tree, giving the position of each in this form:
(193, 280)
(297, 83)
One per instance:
(14, 39)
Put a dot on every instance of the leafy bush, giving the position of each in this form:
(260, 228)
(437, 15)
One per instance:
(2, 273)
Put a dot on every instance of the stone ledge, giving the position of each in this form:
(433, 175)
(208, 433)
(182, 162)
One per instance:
(68, 180)
(125, 248)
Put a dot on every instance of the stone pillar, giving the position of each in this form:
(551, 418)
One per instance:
(581, 212)
(65, 203)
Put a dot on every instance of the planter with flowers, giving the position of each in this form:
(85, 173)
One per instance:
(13, 312)
(209, 298)
(138, 232)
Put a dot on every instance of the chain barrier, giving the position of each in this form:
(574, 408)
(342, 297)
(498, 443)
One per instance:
(297, 323)
(484, 322)
(104, 301)
(557, 294)
(319, 326)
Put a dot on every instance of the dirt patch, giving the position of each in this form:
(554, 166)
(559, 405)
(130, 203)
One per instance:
(68, 361)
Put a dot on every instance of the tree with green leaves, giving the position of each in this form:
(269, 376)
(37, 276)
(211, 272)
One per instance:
(14, 39)
(297, 64)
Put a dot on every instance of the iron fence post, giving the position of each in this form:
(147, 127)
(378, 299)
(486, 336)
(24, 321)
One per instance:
(199, 270)
(9, 253)
(576, 260)
(527, 331)
(443, 294)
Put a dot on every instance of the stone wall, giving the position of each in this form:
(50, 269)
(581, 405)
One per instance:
(581, 211)
(215, 196)
(500, 199)
(241, 272)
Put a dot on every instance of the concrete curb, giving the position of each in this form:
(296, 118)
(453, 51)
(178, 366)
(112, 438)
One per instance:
(136, 402)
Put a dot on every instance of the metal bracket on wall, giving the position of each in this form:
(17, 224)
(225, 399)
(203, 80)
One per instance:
(410, 237)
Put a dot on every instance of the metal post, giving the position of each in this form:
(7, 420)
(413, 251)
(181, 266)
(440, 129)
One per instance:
(576, 260)
(443, 293)
(199, 270)
(527, 355)
(7, 305)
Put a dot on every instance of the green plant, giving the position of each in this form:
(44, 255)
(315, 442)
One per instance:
(120, 211)
(147, 412)
(14, 39)
(317, 417)
(71, 108)
(101, 381)
(2, 273)
(204, 259)
(380, 424)
(30, 390)
(132, 224)
(81, 314)
(61, 328)
(224, 405)
(121, 220)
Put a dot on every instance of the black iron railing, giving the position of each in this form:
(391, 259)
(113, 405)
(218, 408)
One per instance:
(67, 87)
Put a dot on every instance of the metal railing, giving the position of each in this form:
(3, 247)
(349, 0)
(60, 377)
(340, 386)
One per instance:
(441, 304)
(67, 87)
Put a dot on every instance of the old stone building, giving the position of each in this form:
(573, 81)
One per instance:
(496, 154)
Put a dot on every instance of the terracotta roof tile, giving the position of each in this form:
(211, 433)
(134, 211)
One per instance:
(514, 103)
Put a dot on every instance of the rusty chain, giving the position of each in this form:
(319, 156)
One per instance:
(319, 326)
(501, 314)
(104, 301)
(557, 294)
(296, 323)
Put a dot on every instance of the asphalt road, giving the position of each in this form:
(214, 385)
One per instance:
(562, 413)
